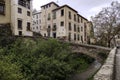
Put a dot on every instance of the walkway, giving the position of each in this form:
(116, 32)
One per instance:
(117, 65)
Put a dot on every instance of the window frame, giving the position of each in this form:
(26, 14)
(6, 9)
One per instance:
(28, 13)
(28, 26)
(19, 24)
(75, 28)
(19, 10)
(2, 4)
(62, 23)
(62, 12)
(54, 15)
(70, 16)
(70, 27)
(75, 37)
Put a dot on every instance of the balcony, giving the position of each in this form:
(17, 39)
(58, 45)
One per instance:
(24, 3)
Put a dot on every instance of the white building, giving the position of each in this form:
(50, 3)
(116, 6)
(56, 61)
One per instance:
(64, 22)
(36, 19)
(18, 14)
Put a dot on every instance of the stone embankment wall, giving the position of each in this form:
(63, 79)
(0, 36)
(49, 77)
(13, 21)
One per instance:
(106, 71)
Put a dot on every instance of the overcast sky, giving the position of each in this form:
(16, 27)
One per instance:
(86, 8)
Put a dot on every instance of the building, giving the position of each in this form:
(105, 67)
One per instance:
(17, 13)
(64, 22)
(36, 19)
(5, 12)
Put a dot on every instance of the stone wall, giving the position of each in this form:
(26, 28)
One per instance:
(106, 71)
(5, 35)
(97, 52)
(5, 30)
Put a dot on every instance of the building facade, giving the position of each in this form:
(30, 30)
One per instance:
(5, 11)
(18, 14)
(64, 22)
(36, 19)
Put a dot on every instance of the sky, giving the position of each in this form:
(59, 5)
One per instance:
(86, 8)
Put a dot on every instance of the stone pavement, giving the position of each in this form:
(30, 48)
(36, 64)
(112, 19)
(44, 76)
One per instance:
(117, 65)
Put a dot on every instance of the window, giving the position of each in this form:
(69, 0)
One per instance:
(82, 39)
(54, 15)
(36, 27)
(78, 37)
(78, 29)
(70, 28)
(48, 16)
(85, 25)
(24, 3)
(37, 16)
(28, 13)
(40, 21)
(48, 34)
(78, 19)
(74, 36)
(19, 24)
(28, 26)
(69, 36)
(20, 33)
(62, 12)
(36, 21)
(69, 15)
(74, 27)
(44, 34)
(19, 10)
(49, 27)
(81, 20)
(49, 5)
(74, 17)
(28, 4)
(81, 28)
(2, 7)
(62, 23)
(48, 30)
(46, 6)
(54, 35)
(54, 27)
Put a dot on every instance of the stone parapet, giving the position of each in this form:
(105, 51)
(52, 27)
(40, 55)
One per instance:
(106, 71)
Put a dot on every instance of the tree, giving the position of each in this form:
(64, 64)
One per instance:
(107, 23)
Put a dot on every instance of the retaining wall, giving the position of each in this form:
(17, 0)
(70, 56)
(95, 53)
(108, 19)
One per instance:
(106, 71)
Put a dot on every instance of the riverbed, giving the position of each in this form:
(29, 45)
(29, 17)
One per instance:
(88, 73)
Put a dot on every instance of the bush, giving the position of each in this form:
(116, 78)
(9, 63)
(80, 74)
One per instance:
(42, 60)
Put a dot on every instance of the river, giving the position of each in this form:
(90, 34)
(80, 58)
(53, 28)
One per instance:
(88, 73)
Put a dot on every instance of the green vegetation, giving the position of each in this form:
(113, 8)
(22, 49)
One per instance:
(28, 59)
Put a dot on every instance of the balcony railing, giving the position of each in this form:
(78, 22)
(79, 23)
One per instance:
(24, 3)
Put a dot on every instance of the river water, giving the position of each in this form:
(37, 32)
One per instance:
(88, 73)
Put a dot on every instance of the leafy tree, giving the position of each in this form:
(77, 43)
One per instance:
(107, 23)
